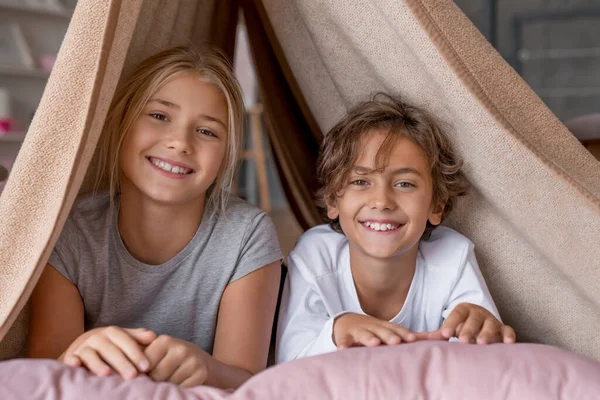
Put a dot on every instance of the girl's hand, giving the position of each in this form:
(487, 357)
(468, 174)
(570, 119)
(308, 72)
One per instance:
(103, 349)
(363, 330)
(177, 361)
(471, 323)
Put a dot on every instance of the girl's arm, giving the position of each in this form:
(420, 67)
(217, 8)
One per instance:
(244, 324)
(56, 315)
(56, 330)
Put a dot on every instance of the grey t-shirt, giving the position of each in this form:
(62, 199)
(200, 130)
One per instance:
(179, 298)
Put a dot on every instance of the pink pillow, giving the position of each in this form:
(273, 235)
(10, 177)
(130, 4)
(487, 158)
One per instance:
(420, 370)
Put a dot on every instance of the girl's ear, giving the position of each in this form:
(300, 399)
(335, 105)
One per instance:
(436, 213)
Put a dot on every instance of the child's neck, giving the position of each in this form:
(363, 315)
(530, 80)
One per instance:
(154, 233)
(382, 285)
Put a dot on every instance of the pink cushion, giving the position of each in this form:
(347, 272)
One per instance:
(427, 369)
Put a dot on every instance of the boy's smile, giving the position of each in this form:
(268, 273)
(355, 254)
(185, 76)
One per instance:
(385, 212)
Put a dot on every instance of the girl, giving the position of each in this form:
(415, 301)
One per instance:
(163, 273)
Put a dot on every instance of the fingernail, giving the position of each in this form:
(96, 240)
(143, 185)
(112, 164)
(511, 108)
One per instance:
(447, 332)
(130, 373)
(144, 365)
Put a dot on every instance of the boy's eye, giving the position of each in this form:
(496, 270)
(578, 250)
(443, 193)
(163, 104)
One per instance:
(205, 132)
(359, 182)
(160, 117)
(405, 185)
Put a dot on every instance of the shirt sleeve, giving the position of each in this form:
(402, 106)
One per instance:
(65, 255)
(305, 327)
(470, 287)
(260, 247)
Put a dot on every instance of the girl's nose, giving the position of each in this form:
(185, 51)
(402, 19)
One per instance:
(179, 140)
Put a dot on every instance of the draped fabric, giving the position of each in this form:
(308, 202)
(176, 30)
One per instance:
(534, 210)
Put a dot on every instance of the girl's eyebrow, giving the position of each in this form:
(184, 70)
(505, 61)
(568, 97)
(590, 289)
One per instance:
(177, 107)
(165, 103)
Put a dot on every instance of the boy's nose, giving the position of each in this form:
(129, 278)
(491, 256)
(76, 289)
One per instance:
(382, 199)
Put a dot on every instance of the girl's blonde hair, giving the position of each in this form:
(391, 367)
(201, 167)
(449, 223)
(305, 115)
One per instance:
(133, 94)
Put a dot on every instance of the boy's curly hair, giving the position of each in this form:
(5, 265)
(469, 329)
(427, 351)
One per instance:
(341, 148)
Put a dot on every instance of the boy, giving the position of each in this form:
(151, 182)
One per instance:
(381, 272)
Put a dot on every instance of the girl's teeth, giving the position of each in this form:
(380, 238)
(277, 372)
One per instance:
(165, 166)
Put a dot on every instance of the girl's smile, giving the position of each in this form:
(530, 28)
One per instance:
(176, 147)
(170, 169)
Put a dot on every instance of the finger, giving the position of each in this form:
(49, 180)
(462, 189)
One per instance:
(435, 335)
(386, 335)
(141, 335)
(405, 334)
(345, 342)
(508, 334)
(126, 342)
(196, 379)
(92, 361)
(471, 328)
(183, 372)
(165, 367)
(156, 351)
(114, 356)
(456, 317)
(366, 338)
(490, 332)
(72, 360)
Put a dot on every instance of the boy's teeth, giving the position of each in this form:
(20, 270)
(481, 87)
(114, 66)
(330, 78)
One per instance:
(380, 227)
(165, 166)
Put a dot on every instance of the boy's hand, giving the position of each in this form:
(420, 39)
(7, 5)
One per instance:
(471, 323)
(362, 330)
(177, 361)
(103, 349)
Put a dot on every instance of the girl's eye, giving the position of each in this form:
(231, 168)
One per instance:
(405, 185)
(205, 132)
(159, 116)
(359, 182)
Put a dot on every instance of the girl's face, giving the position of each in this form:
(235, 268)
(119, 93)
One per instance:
(384, 213)
(175, 148)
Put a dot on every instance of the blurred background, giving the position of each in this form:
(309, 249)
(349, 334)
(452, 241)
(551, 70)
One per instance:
(553, 44)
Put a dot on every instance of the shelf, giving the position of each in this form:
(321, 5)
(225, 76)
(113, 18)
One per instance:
(13, 137)
(24, 72)
(50, 12)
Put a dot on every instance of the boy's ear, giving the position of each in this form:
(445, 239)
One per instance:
(332, 211)
(436, 213)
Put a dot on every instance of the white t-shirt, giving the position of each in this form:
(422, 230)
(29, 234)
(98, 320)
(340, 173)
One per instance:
(319, 287)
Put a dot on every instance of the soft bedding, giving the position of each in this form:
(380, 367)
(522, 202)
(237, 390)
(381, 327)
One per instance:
(435, 370)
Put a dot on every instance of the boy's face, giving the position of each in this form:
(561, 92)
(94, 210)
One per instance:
(384, 214)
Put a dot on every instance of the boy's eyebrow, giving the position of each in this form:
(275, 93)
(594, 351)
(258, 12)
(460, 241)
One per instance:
(177, 107)
(406, 170)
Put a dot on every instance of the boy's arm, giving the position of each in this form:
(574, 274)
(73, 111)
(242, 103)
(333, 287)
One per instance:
(471, 314)
(305, 327)
(471, 288)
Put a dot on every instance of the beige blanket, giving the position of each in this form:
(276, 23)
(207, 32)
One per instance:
(533, 214)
